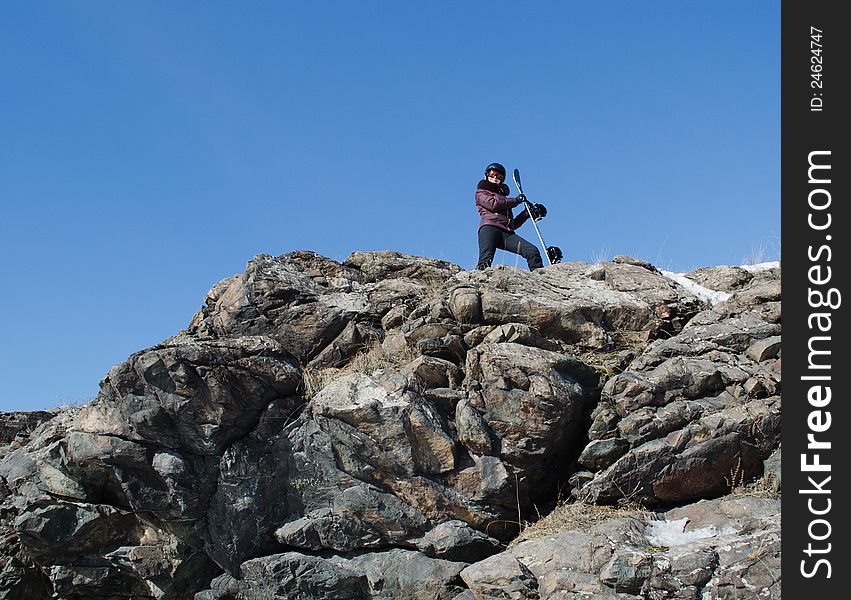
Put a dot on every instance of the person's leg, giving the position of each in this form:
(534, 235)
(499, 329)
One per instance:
(490, 238)
(516, 244)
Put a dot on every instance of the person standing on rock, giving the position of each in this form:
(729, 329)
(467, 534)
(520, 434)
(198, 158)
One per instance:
(497, 223)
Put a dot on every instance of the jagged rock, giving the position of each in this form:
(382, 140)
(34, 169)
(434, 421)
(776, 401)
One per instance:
(631, 260)
(764, 349)
(394, 343)
(62, 526)
(378, 266)
(744, 533)
(445, 399)
(17, 426)
(249, 500)
(394, 317)
(711, 549)
(353, 338)
(435, 372)
(500, 576)
(533, 401)
(722, 278)
(212, 465)
(599, 454)
(696, 410)
(295, 575)
(450, 347)
(473, 432)
(277, 297)
(761, 300)
(457, 541)
(194, 396)
(487, 481)
(466, 305)
(519, 334)
(391, 575)
(703, 459)
(361, 516)
(707, 333)
(406, 575)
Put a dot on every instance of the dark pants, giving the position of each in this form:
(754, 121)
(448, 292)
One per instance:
(491, 238)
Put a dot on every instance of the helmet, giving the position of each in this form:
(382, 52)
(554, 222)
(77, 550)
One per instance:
(495, 167)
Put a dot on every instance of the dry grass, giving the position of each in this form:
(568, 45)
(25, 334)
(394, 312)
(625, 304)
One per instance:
(574, 515)
(371, 358)
(763, 487)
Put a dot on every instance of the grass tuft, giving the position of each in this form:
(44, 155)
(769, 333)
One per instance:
(569, 516)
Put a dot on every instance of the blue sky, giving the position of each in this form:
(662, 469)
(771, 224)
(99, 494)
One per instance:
(150, 149)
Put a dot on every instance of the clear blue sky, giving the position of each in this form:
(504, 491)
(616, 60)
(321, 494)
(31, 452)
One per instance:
(149, 149)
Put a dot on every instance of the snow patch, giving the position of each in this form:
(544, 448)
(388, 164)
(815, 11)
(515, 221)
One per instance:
(714, 296)
(672, 533)
(704, 293)
(765, 266)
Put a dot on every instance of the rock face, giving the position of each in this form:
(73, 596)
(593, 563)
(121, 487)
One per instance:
(725, 548)
(380, 428)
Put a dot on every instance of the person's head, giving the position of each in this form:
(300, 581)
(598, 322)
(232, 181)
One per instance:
(495, 173)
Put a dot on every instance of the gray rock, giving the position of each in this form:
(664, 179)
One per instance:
(637, 262)
(394, 343)
(696, 411)
(394, 317)
(249, 501)
(445, 399)
(457, 541)
(466, 305)
(713, 548)
(195, 396)
(353, 338)
(408, 575)
(473, 432)
(17, 426)
(295, 575)
(501, 576)
(599, 454)
(360, 517)
(722, 278)
(627, 571)
(764, 349)
(278, 297)
(533, 401)
(519, 333)
(435, 372)
(377, 266)
(761, 300)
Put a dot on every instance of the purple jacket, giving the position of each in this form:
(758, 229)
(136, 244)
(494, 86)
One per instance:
(495, 209)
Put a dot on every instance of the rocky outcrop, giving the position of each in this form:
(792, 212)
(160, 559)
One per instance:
(15, 428)
(725, 548)
(692, 415)
(382, 427)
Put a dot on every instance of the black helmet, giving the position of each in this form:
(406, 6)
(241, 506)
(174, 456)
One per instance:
(495, 167)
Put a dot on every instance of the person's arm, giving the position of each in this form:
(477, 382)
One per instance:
(494, 202)
(521, 218)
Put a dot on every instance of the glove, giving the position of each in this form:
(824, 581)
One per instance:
(538, 211)
(521, 198)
